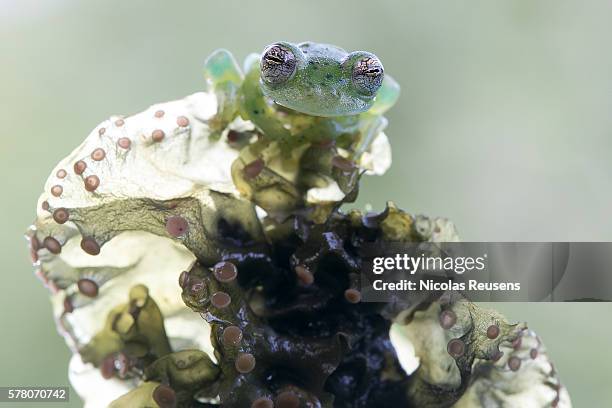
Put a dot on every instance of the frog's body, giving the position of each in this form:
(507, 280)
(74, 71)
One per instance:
(305, 93)
(316, 109)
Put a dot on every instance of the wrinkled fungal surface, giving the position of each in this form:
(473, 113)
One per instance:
(173, 289)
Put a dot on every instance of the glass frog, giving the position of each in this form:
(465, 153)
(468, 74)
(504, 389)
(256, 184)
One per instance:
(316, 108)
(305, 93)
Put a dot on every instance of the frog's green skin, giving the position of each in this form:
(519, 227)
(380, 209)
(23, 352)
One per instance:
(318, 103)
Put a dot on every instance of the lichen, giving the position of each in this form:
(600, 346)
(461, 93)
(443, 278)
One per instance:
(192, 262)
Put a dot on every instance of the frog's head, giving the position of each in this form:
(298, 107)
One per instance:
(320, 79)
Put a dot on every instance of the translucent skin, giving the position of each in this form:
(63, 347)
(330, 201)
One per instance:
(318, 103)
(321, 85)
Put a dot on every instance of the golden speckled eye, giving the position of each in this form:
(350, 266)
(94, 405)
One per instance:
(367, 75)
(278, 64)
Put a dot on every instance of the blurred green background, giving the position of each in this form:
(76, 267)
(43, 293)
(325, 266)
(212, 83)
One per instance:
(504, 126)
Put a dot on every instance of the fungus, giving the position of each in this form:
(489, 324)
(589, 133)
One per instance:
(90, 246)
(456, 348)
(245, 363)
(220, 300)
(124, 143)
(275, 289)
(177, 226)
(92, 183)
(493, 331)
(52, 245)
(182, 121)
(61, 215)
(57, 191)
(158, 135)
(232, 336)
(254, 168)
(225, 272)
(98, 154)
(88, 287)
(448, 318)
(80, 167)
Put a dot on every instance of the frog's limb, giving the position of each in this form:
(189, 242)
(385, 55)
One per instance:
(223, 77)
(221, 68)
(371, 126)
(386, 96)
(471, 357)
(372, 121)
(255, 107)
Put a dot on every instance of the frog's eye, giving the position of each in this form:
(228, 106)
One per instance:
(278, 64)
(368, 74)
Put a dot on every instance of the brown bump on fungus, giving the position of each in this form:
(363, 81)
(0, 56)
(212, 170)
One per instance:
(225, 272)
(445, 299)
(88, 287)
(61, 173)
(245, 363)
(158, 135)
(253, 169)
(493, 331)
(45, 205)
(514, 363)
(90, 246)
(183, 278)
(57, 191)
(305, 277)
(119, 122)
(197, 285)
(232, 336)
(448, 318)
(182, 121)
(262, 402)
(164, 396)
(34, 247)
(107, 367)
(342, 163)
(533, 353)
(516, 343)
(61, 215)
(92, 183)
(101, 131)
(159, 114)
(497, 355)
(33, 256)
(34, 243)
(456, 348)
(80, 167)
(233, 136)
(220, 300)
(352, 295)
(287, 399)
(68, 307)
(124, 143)
(177, 226)
(52, 245)
(555, 402)
(98, 154)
